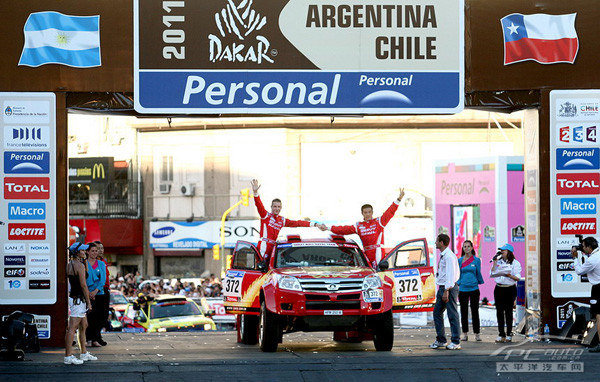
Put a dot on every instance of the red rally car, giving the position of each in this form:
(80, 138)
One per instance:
(325, 285)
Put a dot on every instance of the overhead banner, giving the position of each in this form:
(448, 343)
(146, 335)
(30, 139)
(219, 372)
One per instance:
(201, 235)
(28, 200)
(574, 183)
(299, 56)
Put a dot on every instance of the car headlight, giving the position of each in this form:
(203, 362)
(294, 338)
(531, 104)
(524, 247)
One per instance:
(371, 282)
(207, 327)
(161, 330)
(290, 283)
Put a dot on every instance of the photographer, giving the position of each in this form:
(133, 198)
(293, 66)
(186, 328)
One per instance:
(591, 267)
(506, 271)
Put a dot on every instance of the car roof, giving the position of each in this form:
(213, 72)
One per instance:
(333, 239)
(169, 297)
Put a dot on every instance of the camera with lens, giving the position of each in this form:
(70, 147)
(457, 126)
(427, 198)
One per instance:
(579, 247)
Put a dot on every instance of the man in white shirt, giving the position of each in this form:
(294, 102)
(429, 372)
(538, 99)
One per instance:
(447, 275)
(591, 267)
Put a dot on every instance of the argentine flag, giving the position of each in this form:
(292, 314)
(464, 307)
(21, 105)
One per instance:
(54, 38)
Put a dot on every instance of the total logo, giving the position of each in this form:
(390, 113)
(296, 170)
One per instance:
(14, 272)
(26, 162)
(14, 248)
(29, 231)
(26, 188)
(578, 159)
(584, 226)
(576, 135)
(39, 273)
(578, 184)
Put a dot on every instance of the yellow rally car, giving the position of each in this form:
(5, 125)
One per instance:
(165, 313)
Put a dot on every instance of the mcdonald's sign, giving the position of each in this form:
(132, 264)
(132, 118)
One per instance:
(91, 170)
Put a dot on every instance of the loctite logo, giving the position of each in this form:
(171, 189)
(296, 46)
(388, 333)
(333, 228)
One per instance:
(578, 184)
(584, 226)
(27, 188)
(30, 231)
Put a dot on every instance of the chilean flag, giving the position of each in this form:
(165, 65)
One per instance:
(547, 39)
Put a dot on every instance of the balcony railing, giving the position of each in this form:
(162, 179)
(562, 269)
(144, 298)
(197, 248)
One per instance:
(115, 200)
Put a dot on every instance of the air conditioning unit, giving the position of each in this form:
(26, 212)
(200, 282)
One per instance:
(187, 189)
(164, 188)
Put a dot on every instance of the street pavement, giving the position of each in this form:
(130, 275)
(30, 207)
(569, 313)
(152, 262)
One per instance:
(215, 356)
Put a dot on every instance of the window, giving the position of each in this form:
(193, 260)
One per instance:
(409, 255)
(166, 168)
(245, 257)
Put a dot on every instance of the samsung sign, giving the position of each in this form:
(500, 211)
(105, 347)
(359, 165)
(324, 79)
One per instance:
(26, 211)
(299, 56)
(578, 206)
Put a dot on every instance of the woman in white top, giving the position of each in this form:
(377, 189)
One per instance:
(506, 271)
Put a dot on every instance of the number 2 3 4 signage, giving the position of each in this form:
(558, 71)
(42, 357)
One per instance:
(299, 56)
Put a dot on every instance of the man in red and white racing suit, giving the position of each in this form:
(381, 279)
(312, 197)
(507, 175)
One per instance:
(271, 222)
(370, 230)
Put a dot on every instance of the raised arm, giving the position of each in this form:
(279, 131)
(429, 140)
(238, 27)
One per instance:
(262, 212)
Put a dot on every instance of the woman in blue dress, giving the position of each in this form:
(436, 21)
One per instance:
(470, 278)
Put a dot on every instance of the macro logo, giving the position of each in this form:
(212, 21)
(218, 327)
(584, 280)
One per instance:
(14, 260)
(26, 188)
(17, 137)
(15, 248)
(26, 211)
(578, 184)
(8, 111)
(574, 226)
(237, 39)
(14, 272)
(163, 232)
(28, 231)
(98, 171)
(26, 162)
(578, 159)
(578, 206)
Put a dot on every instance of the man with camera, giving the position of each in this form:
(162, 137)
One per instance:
(591, 267)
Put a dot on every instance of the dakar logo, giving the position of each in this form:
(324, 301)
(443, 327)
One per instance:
(237, 23)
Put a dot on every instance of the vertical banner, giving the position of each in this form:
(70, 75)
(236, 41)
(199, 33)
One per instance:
(27, 199)
(574, 183)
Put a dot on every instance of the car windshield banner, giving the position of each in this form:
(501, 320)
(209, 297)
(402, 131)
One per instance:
(299, 56)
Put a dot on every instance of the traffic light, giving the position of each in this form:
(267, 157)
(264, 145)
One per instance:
(245, 196)
(216, 252)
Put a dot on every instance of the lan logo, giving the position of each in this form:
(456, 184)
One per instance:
(236, 25)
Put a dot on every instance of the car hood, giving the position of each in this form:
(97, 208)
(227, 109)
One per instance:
(167, 322)
(327, 271)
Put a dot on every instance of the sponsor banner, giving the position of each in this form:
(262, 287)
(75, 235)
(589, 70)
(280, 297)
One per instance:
(25, 137)
(26, 188)
(26, 211)
(22, 111)
(43, 326)
(29, 231)
(564, 266)
(15, 248)
(563, 254)
(14, 284)
(39, 248)
(14, 272)
(575, 226)
(26, 162)
(566, 242)
(261, 56)
(37, 260)
(578, 159)
(567, 278)
(578, 206)
(38, 273)
(14, 260)
(39, 284)
(577, 135)
(578, 183)
(577, 109)
(198, 235)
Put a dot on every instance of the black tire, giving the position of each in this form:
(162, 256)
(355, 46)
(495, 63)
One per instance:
(383, 332)
(268, 333)
(248, 329)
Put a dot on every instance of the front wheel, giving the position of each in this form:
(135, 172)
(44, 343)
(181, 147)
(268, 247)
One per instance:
(268, 334)
(383, 332)
(247, 328)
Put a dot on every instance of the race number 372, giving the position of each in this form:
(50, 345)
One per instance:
(408, 285)
(233, 283)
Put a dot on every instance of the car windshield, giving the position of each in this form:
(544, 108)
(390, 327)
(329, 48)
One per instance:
(289, 255)
(118, 299)
(174, 309)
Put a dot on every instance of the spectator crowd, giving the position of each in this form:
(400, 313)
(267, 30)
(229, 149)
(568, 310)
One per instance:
(129, 285)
